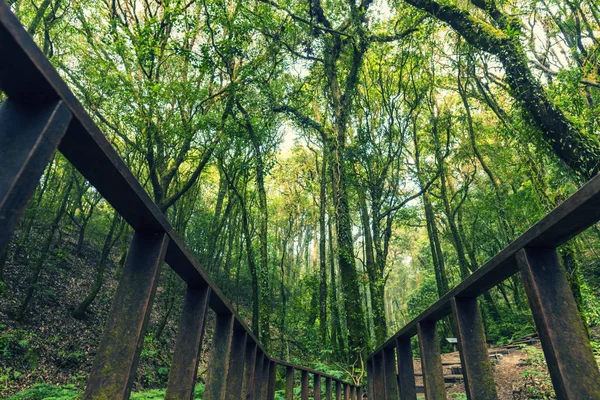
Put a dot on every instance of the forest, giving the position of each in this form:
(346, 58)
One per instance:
(336, 167)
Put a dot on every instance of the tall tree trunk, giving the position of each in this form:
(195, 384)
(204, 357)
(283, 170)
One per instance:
(322, 251)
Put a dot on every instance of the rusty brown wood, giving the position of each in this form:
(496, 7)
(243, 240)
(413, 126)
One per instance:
(568, 352)
(474, 358)
(272, 380)
(406, 369)
(378, 377)
(258, 375)
(431, 361)
(338, 390)
(328, 389)
(182, 377)
(390, 376)
(29, 136)
(235, 374)
(317, 386)
(304, 385)
(115, 363)
(220, 350)
(289, 383)
(249, 364)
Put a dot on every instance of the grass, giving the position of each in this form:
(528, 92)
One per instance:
(42, 391)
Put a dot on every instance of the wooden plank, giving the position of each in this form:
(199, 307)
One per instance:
(431, 361)
(569, 355)
(338, 390)
(258, 375)
(237, 358)
(264, 388)
(218, 365)
(182, 377)
(390, 376)
(378, 377)
(352, 393)
(304, 385)
(370, 380)
(29, 136)
(317, 386)
(406, 369)
(474, 358)
(346, 392)
(328, 389)
(289, 383)
(114, 366)
(272, 380)
(249, 364)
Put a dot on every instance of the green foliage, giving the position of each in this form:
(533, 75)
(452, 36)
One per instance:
(42, 391)
(19, 347)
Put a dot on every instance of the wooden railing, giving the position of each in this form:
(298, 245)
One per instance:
(564, 339)
(40, 115)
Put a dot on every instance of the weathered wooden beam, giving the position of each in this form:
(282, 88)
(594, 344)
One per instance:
(352, 392)
(474, 358)
(304, 385)
(249, 364)
(237, 358)
(378, 377)
(391, 378)
(258, 375)
(338, 390)
(317, 386)
(289, 383)
(328, 389)
(182, 377)
(114, 366)
(346, 391)
(264, 388)
(272, 380)
(370, 380)
(569, 355)
(220, 350)
(29, 136)
(431, 361)
(406, 369)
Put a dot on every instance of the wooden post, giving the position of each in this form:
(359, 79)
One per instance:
(264, 387)
(115, 364)
(352, 392)
(289, 383)
(370, 380)
(406, 369)
(328, 389)
(182, 377)
(391, 378)
(378, 377)
(249, 364)
(220, 350)
(338, 390)
(317, 386)
(474, 357)
(235, 374)
(346, 391)
(258, 375)
(564, 340)
(304, 385)
(272, 380)
(29, 136)
(431, 361)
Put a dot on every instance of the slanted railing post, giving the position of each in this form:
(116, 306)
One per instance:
(249, 364)
(264, 387)
(258, 375)
(115, 363)
(272, 380)
(29, 136)
(220, 350)
(474, 357)
(289, 383)
(317, 386)
(304, 385)
(569, 356)
(235, 374)
(328, 389)
(431, 361)
(391, 378)
(182, 377)
(406, 369)
(378, 377)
